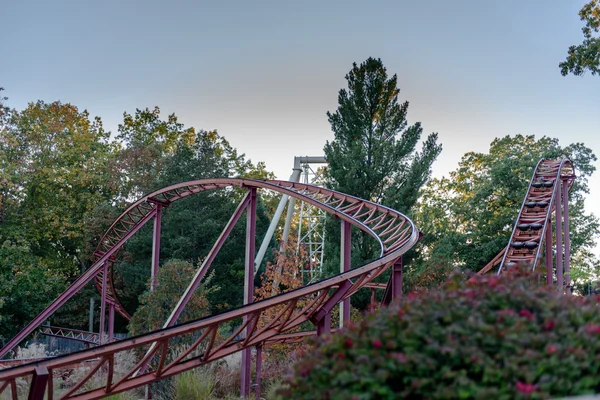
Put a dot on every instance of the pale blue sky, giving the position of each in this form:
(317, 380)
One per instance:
(263, 73)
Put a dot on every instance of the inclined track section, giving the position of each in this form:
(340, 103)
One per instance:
(541, 198)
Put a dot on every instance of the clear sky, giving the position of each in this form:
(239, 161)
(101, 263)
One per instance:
(264, 73)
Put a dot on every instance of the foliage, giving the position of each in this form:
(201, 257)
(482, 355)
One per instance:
(190, 226)
(54, 161)
(156, 306)
(373, 155)
(500, 337)
(280, 277)
(148, 141)
(467, 217)
(586, 56)
(367, 158)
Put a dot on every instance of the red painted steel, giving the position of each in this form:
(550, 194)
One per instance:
(76, 286)
(249, 287)
(567, 237)
(532, 228)
(72, 334)
(393, 231)
(346, 254)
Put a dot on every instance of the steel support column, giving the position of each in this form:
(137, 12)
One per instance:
(567, 274)
(258, 370)
(103, 302)
(111, 321)
(201, 272)
(345, 259)
(397, 279)
(249, 284)
(156, 246)
(38, 384)
(74, 288)
(559, 236)
(324, 325)
(295, 177)
(549, 261)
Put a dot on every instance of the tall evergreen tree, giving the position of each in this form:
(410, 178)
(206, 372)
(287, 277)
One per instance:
(373, 154)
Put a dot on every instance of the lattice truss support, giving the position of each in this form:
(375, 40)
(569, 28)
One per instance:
(274, 320)
(546, 201)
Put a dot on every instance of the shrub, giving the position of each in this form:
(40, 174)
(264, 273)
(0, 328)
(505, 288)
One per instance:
(497, 338)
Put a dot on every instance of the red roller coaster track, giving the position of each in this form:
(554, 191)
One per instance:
(394, 232)
(547, 194)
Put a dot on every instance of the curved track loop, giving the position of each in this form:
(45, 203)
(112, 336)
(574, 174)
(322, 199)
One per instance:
(534, 216)
(387, 226)
(269, 321)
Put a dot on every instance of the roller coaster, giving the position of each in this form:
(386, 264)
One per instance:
(256, 323)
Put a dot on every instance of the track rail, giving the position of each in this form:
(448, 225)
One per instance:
(534, 219)
(394, 232)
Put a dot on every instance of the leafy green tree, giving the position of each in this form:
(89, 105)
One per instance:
(55, 162)
(156, 306)
(147, 142)
(374, 152)
(190, 226)
(467, 217)
(55, 166)
(586, 56)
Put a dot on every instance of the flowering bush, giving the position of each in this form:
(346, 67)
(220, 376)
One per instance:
(497, 338)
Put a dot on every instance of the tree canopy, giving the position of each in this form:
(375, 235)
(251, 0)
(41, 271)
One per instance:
(586, 56)
(468, 216)
(373, 154)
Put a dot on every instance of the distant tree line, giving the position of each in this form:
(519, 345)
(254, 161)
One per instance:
(63, 180)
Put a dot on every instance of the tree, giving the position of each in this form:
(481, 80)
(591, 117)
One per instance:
(156, 306)
(190, 226)
(373, 155)
(586, 56)
(55, 162)
(148, 140)
(367, 158)
(467, 218)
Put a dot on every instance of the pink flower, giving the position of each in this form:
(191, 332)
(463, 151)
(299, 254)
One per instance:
(549, 324)
(377, 343)
(593, 329)
(341, 356)
(348, 342)
(551, 349)
(526, 388)
(527, 314)
(400, 357)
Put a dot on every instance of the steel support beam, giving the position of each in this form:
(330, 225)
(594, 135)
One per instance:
(567, 274)
(111, 322)
(249, 284)
(156, 246)
(295, 177)
(258, 370)
(397, 279)
(201, 272)
(559, 236)
(331, 302)
(103, 302)
(38, 384)
(549, 261)
(324, 325)
(74, 288)
(345, 260)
